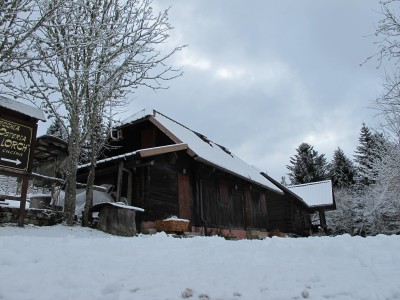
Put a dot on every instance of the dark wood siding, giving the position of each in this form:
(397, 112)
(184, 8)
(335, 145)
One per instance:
(185, 210)
(278, 211)
(178, 184)
(160, 187)
(259, 209)
(287, 214)
(138, 136)
(229, 202)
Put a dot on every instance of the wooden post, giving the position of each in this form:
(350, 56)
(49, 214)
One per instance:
(130, 184)
(322, 219)
(24, 193)
(119, 181)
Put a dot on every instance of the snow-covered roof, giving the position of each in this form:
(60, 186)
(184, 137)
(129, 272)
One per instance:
(315, 193)
(22, 108)
(141, 152)
(203, 148)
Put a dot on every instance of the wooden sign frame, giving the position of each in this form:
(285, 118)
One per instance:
(18, 128)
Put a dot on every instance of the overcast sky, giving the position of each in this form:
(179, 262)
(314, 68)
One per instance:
(261, 77)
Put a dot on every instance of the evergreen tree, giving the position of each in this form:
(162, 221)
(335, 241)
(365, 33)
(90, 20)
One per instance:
(57, 129)
(307, 166)
(367, 153)
(342, 170)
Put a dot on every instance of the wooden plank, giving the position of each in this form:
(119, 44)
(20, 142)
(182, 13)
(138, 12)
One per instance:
(130, 188)
(119, 180)
(248, 206)
(8, 197)
(148, 137)
(162, 150)
(185, 211)
(24, 192)
(165, 130)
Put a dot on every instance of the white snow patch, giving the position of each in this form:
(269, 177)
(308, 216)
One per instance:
(122, 205)
(79, 263)
(22, 108)
(314, 193)
(175, 218)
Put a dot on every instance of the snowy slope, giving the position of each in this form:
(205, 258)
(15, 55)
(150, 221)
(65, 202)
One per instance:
(77, 263)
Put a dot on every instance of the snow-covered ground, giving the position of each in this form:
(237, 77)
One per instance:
(79, 263)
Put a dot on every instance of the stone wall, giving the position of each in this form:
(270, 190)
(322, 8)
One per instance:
(38, 217)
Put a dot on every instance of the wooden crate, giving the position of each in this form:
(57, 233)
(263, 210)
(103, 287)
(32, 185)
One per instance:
(172, 226)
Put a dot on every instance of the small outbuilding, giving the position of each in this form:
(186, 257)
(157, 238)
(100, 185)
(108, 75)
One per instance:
(319, 198)
(116, 218)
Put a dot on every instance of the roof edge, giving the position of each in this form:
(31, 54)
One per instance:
(284, 188)
(198, 158)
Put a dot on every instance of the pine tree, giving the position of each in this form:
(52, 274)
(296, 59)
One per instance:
(57, 129)
(367, 153)
(307, 166)
(342, 170)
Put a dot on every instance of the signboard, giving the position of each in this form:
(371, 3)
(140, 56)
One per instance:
(15, 145)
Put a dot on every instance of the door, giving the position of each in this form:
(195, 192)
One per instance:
(185, 211)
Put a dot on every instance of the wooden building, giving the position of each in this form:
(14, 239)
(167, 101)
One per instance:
(288, 213)
(319, 198)
(168, 170)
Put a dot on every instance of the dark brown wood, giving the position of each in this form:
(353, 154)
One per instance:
(130, 187)
(167, 180)
(185, 211)
(224, 199)
(148, 137)
(322, 219)
(117, 220)
(247, 197)
(9, 197)
(165, 130)
(24, 193)
(119, 180)
(162, 150)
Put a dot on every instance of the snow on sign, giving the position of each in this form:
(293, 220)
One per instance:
(15, 145)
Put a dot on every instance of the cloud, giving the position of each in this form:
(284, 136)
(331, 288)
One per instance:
(189, 59)
(262, 77)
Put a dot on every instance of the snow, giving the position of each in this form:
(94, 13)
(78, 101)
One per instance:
(109, 159)
(315, 193)
(125, 155)
(13, 204)
(205, 149)
(119, 204)
(175, 218)
(79, 263)
(22, 108)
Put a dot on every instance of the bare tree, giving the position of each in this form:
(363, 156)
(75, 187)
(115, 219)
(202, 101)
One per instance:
(96, 52)
(19, 20)
(388, 42)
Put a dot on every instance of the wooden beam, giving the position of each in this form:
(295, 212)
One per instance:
(24, 192)
(119, 182)
(131, 165)
(8, 197)
(130, 188)
(164, 129)
(162, 150)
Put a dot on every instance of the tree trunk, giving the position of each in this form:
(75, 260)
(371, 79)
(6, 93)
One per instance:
(87, 218)
(70, 195)
(71, 170)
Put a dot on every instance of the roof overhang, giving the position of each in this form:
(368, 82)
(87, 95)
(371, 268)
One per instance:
(22, 108)
(142, 153)
(49, 147)
(235, 174)
(285, 189)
